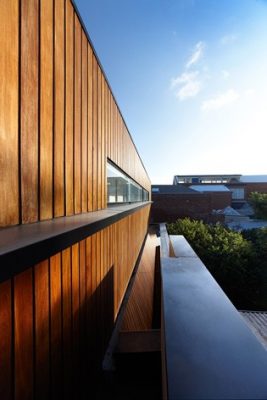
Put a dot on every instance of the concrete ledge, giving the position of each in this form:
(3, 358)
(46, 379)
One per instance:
(180, 247)
(210, 353)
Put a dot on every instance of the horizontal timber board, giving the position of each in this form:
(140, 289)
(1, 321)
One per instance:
(25, 245)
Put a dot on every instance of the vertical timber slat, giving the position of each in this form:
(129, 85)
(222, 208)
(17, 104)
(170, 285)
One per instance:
(29, 110)
(95, 127)
(90, 129)
(56, 325)
(6, 333)
(59, 82)
(42, 361)
(84, 109)
(77, 119)
(69, 104)
(46, 110)
(66, 323)
(99, 138)
(23, 318)
(9, 91)
(75, 313)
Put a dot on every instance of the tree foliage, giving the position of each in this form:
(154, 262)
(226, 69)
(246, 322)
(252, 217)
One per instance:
(237, 261)
(258, 202)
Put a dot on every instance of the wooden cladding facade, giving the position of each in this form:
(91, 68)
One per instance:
(56, 317)
(59, 124)
(59, 121)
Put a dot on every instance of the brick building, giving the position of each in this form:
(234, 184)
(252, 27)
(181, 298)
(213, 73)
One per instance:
(171, 202)
(196, 196)
(241, 186)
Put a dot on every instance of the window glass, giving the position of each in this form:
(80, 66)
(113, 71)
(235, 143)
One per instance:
(145, 195)
(238, 193)
(135, 192)
(121, 188)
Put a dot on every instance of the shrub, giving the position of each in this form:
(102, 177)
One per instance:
(237, 261)
(258, 202)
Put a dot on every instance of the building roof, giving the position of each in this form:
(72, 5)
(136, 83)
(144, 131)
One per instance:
(202, 179)
(209, 188)
(253, 178)
(250, 224)
(223, 177)
(171, 189)
(209, 175)
(229, 211)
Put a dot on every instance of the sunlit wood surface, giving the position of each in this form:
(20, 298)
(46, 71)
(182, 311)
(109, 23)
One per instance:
(59, 125)
(56, 317)
(139, 310)
(59, 121)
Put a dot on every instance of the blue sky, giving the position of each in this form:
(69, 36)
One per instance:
(190, 77)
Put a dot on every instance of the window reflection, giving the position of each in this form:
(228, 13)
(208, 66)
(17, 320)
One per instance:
(121, 188)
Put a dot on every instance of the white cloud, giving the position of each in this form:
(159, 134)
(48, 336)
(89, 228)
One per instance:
(186, 85)
(190, 89)
(220, 101)
(226, 39)
(184, 78)
(249, 92)
(196, 55)
(225, 74)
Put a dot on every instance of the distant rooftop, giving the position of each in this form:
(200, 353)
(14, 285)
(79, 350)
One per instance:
(170, 189)
(209, 175)
(253, 178)
(211, 178)
(218, 178)
(210, 188)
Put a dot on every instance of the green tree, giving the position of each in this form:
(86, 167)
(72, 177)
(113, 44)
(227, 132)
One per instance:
(233, 259)
(258, 238)
(258, 202)
(213, 243)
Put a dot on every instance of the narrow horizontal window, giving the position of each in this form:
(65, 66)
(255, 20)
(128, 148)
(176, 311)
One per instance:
(121, 188)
